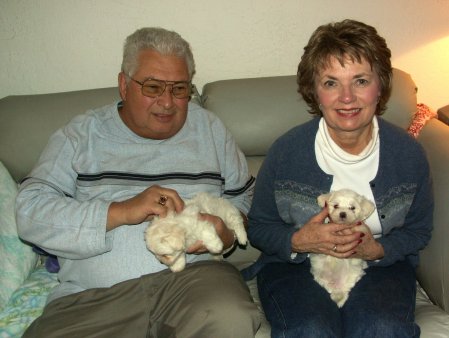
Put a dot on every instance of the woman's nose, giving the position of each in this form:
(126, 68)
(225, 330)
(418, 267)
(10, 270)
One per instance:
(347, 94)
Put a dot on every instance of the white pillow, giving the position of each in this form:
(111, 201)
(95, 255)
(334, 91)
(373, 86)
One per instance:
(17, 258)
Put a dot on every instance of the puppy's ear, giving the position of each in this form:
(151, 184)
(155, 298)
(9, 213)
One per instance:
(322, 199)
(367, 207)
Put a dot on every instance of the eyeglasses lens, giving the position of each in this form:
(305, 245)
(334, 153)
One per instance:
(155, 88)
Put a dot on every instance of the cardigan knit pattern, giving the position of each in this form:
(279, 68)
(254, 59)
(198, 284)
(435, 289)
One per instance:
(96, 159)
(290, 180)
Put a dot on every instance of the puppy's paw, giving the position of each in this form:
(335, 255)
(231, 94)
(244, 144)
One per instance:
(241, 235)
(179, 264)
(339, 297)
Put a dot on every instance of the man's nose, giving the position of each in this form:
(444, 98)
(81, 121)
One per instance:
(166, 98)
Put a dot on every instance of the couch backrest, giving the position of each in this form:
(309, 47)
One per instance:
(27, 121)
(256, 111)
(259, 110)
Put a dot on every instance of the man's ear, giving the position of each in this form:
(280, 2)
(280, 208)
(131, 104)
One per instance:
(122, 85)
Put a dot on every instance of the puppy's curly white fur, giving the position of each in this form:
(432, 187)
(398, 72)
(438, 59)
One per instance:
(338, 276)
(169, 237)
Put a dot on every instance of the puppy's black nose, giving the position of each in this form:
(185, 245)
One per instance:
(342, 215)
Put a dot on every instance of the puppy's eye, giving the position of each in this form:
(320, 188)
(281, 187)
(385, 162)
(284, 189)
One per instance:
(335, 206)
(352, 208)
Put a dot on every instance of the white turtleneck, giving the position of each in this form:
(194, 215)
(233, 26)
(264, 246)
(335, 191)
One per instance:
(350, 171)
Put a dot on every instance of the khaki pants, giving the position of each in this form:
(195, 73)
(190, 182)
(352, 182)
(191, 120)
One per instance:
(208, 299)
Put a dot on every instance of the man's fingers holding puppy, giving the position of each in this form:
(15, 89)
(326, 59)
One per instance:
(225, 234)
(168, 198)
(197, 248)
(144, 206)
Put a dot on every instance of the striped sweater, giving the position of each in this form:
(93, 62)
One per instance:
(94, 160)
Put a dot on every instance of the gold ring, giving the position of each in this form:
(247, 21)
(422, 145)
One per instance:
(162, 200)
(334, 249)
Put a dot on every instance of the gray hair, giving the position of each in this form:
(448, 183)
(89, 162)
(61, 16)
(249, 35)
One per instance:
(160, 40)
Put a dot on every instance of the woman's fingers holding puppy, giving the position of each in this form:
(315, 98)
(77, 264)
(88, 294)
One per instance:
(318, 237)
(369, 248)
(320, 217)
(345, 240)
(344, 250)
(315, 236)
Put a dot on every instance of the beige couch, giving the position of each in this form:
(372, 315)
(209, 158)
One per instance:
(256, 111)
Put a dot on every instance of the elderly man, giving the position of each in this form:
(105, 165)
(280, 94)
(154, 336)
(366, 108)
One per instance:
(101, 180)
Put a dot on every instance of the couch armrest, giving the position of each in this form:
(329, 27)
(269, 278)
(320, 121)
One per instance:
(433, 271)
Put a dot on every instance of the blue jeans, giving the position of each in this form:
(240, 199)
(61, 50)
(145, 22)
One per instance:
(382, 303)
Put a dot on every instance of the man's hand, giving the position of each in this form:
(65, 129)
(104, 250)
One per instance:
(143, 207)
(226, 235)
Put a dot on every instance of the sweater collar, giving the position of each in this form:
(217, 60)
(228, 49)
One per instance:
(331, 149)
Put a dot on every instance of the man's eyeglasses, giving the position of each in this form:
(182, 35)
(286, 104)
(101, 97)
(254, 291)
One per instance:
(154, 88)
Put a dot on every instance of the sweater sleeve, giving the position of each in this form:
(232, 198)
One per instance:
(239, 184)
(48, 214)
(266, 229)
(404, 241)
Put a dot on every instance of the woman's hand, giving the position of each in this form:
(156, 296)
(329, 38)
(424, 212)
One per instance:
(339, 240)
(144, 206)
(369, 249)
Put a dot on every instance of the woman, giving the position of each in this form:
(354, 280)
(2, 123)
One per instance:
(344, 76)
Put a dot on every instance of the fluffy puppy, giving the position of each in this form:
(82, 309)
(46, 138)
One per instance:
(338, 276)
(169, 237)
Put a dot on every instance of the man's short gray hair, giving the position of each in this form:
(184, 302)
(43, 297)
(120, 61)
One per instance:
(160, 40)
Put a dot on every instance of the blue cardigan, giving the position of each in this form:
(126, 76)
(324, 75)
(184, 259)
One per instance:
(290, 180)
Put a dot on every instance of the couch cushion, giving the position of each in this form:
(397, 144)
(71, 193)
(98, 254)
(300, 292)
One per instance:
(17, 259)
(26, 303)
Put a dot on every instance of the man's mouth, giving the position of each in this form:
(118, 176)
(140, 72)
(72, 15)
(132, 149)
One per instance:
(163, 117)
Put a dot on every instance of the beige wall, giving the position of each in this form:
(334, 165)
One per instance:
(60, 45)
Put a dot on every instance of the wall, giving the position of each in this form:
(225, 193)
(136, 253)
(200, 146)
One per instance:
(62, 45)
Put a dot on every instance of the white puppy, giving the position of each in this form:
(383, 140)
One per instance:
(169, 237)
(338, 276)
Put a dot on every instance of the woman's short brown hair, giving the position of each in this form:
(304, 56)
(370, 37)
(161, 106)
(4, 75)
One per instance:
(347, 38)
